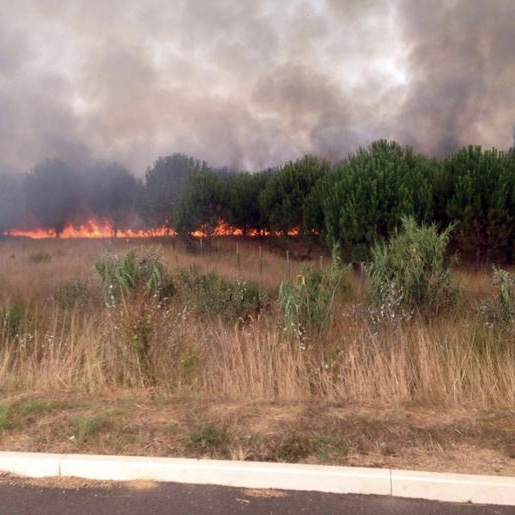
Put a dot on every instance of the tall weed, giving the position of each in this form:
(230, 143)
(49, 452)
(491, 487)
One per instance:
(13, 318)
(410, 273)
(505, 283)
(72, 294)
(129, 274)
(210, 295)
(306, 302)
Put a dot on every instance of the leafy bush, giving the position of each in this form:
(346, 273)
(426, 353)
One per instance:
(40, 257)
(135, 288)
(12, 319)
(293, 448)
(211, 439)
(6, 422)
(130, 274)
(74, 293)
(212, 295)
(330, 447)
(306, 301)
(410, 274)
(505, 283)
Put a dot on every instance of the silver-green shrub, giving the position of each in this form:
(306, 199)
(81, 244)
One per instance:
(306, 301)
(211, 295)
(131, 273)
(410, 273)
(505, 284)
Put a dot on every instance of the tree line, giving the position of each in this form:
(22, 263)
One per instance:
(353, 203)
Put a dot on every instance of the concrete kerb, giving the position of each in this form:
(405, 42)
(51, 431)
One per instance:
(454, 487)
(320, 478)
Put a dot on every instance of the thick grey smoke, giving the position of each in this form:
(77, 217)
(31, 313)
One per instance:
(461, 63)
(250, 84)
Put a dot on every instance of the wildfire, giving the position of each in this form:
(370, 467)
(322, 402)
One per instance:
(94, 229)
(224, 229)
(91, 229)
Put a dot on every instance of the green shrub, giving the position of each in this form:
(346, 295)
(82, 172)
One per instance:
(74, 293)
(85, 428)
(136, 288)
(410, 274)
(505, 283)
(330, 447)
(12, 319)
(306, 302)
(211, 439)
(40, 257)
(6, 422)
(293, 448)
(212, 295)
(131, 274)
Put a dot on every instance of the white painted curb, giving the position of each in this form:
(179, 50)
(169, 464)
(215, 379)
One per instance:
(454, 487)
(243, 474)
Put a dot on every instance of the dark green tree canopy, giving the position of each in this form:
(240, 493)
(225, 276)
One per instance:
(203, 201)
(283, 200)
(243, 208)
(364, 199)
(355, 203)
(480, 200)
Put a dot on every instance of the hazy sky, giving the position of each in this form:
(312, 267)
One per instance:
(250, 83)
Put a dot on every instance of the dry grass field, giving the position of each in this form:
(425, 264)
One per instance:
(163, 376)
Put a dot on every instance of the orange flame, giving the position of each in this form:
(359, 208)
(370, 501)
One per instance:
(224, 229)
(94, 229)
(91, 229)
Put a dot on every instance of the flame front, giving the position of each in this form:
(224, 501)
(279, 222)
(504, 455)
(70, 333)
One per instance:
(91, 230)
(94, 229)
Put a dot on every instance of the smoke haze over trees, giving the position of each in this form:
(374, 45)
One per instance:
(250, 84)
(51, 193)
(164, 182)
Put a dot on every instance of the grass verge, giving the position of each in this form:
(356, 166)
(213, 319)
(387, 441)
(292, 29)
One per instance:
(478, 441)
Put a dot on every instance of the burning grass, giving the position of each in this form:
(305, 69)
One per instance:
(96, 229)
(440, 387)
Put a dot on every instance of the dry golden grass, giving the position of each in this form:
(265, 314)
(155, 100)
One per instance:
(425, 394)
(23, 277)
(454, 360)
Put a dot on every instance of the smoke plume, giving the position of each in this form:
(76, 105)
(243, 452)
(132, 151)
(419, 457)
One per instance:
(250, 84)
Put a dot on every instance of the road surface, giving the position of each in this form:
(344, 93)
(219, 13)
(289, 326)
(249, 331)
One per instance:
(75, 497)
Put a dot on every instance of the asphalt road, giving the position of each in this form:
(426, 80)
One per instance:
(20, 497)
